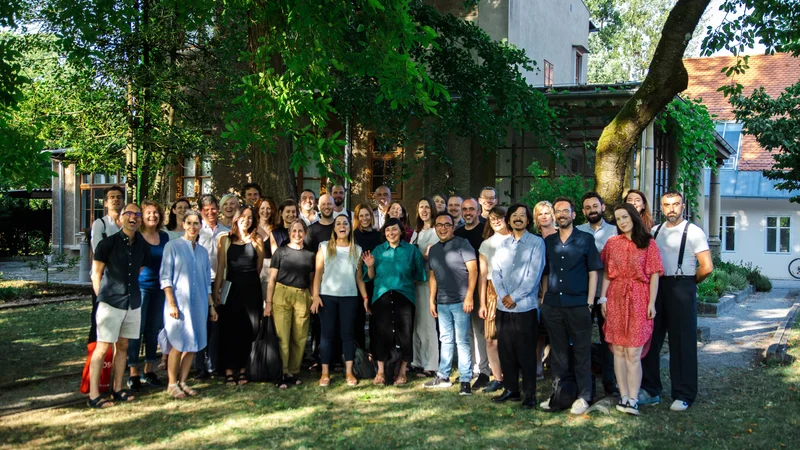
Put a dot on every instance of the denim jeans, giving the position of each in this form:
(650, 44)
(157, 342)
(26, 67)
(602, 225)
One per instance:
(152, 323)
(454, 323)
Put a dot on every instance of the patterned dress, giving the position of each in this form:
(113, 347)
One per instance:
(629, 268)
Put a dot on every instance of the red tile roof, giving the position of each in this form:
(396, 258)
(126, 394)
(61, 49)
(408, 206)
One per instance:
(773, 72)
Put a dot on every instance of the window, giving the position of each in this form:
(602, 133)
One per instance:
(727, 233)
(578, 67)
(310, 178)
(548, 73)
(92, 196)
(512, 178)
(778, 234)
(732, 133)
(385, 166)
(195, 179)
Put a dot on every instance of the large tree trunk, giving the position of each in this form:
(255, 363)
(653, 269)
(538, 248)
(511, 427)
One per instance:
(666, 78)
(271, 169)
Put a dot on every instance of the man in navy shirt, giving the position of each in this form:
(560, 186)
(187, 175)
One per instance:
(570, 280)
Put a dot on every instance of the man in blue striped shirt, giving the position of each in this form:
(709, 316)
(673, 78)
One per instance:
(517, 270)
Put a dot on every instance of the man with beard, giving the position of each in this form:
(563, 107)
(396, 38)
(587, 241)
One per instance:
(383, 200)
(454, 209)
(319, 231)
(593, 209)
(518, 264)
(251, 192)
(570, 282)
(676, 305)
(472, 231)
(337, 192)
(307, 202)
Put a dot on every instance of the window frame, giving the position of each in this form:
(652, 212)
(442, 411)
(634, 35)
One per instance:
(777, 229)
(578, 67)
(723, 235)
(90, 187)
(733, 161)
(198, 177)
(549, 70)
(373, 155)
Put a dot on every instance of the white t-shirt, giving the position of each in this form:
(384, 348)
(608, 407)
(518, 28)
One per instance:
(339, 277)
(489, 247)
(97, 230)
(344, 212)
(669, 244)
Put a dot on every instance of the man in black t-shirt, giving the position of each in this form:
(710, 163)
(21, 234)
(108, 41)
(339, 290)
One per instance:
(472, 231)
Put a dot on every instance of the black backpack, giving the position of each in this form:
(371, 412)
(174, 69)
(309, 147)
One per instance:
(265, 358)
(363, 368)
(565, 392)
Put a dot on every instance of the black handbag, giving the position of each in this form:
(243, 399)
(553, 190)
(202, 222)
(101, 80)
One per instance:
(363, 368)
(265, 358)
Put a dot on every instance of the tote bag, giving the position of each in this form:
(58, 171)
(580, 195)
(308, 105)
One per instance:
(265, 358)
(105, 374)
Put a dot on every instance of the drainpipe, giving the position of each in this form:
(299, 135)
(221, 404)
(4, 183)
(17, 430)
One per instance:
(347, 157)
(61, 207)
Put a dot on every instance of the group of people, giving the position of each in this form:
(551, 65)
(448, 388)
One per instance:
(467, 276)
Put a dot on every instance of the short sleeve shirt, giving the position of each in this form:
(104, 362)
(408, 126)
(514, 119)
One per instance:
(119, 286)
(317, 232)
(103, 226)
(397, 269)
(669, 243)
(294, 266)
(448, 260)
(339, 277)
(474, 236)
(568, 266)
(489, 248)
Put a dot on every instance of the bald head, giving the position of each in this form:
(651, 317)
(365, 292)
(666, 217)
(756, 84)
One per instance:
(383, 197)
(326, 206)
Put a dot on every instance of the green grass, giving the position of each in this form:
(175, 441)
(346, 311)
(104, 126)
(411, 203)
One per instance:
(736, 409)
(22, 290)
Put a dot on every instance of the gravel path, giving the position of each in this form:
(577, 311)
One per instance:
(15, 270)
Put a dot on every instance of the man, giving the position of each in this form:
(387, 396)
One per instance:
(252, 193)
(680, 243)
(337, 192)
(206, 359)
(453, 275)
(454, 209)
(383, 199)
(518, 266)
(570, 282)
(319, 231)
(593, 209)
(113, 200)
(488, 200)
(118, 260)
(308, 200)
(472, 231)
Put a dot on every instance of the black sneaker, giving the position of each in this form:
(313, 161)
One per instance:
(152, 379)
(465, 389)
(493, 386)
(135, 384)
(437, 383)
(481, 382)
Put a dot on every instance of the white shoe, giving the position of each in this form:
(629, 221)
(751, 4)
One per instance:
(579, 407)
(679, 405)
(545, 405)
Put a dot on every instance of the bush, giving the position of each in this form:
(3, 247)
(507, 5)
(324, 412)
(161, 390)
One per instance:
(721, 281)
(737, 280)
(763, 284)
(706, 290)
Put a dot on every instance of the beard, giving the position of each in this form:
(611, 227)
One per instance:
(338, 202)
(594, 218)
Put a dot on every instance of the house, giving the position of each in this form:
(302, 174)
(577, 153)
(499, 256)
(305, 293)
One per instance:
(757, 223)
(554, 33)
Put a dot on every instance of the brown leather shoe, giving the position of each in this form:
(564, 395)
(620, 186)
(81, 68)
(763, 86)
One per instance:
(325, 380)
(379, 379)
(351, 379)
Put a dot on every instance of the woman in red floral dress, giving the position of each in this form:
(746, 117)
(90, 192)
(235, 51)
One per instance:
(630, 283)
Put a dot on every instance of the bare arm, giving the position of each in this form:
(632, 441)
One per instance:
(469, 301)
(704, 266)
(259, 246)
(272, 244)
(362, 287)
(172, 306)
(483, 283)
(651, 306)
(315, 287)
(592, 287)
(220, 268)
(606, 283)
(97, 275)
(433, 287)
(273, 279)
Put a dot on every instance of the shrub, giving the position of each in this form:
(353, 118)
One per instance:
(721, 281)
(737, 280)
(706, 290)
(763, 284)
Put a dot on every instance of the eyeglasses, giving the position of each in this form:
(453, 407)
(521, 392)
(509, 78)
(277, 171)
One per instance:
(494, 219)
(563, 211)
(444, 226)
(132, 213)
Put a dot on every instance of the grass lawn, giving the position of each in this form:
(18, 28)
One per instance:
(740, 408)
(23, 290)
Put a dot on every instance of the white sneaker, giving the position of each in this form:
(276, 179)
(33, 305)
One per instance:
(679, 405)
(579, 407)
(545, 405)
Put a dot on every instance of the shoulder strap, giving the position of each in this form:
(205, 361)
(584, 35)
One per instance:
(683, 248)
(658, 228)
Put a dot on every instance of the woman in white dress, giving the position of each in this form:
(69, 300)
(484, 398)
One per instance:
(185, 277)
(426, 339)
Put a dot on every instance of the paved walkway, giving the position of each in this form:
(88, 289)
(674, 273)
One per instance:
(17, 270)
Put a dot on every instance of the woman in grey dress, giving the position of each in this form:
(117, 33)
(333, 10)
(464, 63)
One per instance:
(186, 280)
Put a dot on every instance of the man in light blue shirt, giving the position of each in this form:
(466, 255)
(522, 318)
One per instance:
(517, 271)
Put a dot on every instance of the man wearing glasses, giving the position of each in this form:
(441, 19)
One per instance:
(118, 259)
(487, 200)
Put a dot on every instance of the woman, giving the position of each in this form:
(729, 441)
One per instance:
(176, 213)
(267, 215)
(287, 213)
(544, 222)
(240, 254)
(338, 280)
(186, 280)
(398, 211)
(366, 237)
(228, 207)
(441, 203)
(289, 298)
(628, 300)
(152, 298)
(639, 202)
(426, 338)
(395, 266)
(495, 232)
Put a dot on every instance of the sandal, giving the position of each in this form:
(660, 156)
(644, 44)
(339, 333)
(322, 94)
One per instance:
(186, 389)
(242, 380)
(426, 374)
(284, 382)
(230, 380)
(351, 379)
(401, 380)
(325, 380)
(99, 403)
(175, 391)
(123, 396)
(379, 379)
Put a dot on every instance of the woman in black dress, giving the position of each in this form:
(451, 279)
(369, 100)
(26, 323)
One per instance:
(367, 238)
(239, 259)
(287, 212)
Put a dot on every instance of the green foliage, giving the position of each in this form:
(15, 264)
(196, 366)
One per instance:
(53, 261)
(737, 281)
(546, 187)
(707, 291)
(763, 284)
(752, 274)
(693, 128)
